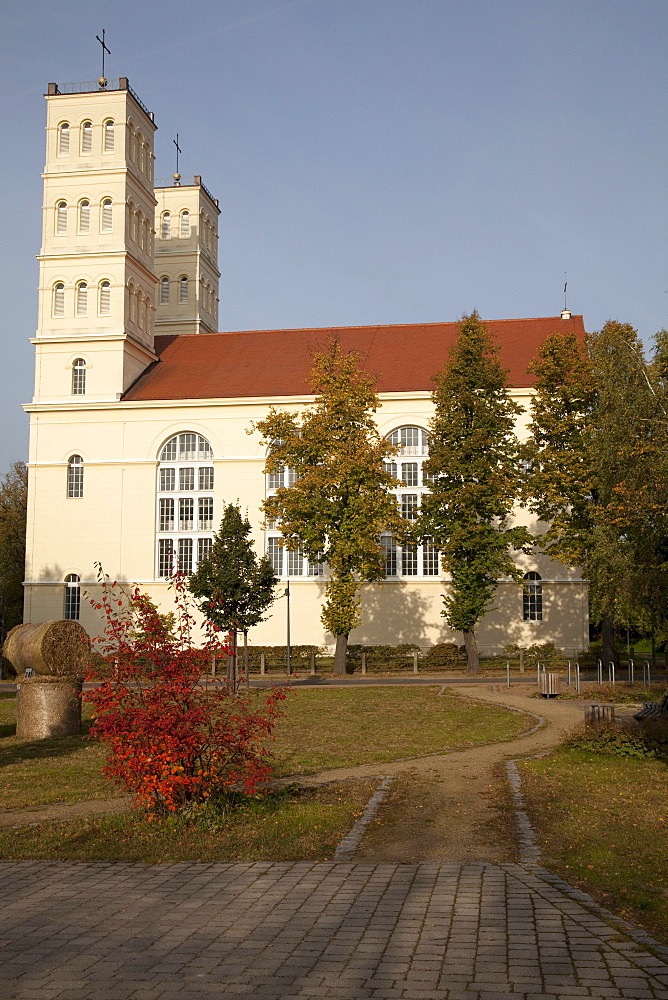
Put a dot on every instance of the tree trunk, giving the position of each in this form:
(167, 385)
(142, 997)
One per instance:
(246, 667)
(232, 669)
(340, 655)
(472, 657)
(607, 642)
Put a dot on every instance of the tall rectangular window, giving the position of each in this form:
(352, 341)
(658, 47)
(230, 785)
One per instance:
(186, 479)
(275, 553)
(206, 477)
(390, 549)
(186, 555)
(165, 557)
(295, 563)
(167, 480)
(409, 473)
(186, 514)
(409, 560)
(205, 513)
(430, 560)
(167, 515)
(409, 506)
(276, 479)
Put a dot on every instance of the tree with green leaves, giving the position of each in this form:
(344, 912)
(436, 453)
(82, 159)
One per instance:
(233, 586)
(13, 507)
(474, 465)
(596, 459)
(340, 500)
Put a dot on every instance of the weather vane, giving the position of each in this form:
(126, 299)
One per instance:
(103, 80)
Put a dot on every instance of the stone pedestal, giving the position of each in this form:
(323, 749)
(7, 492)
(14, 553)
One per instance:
(48, 707)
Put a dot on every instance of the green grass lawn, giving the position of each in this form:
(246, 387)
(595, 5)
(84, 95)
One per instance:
(290, 825)
(343, 727)
(602, 823)
(335, 727)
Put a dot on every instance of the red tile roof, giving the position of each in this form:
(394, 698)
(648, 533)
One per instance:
(266, 363)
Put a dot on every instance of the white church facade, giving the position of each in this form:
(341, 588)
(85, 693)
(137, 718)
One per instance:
(142, 410)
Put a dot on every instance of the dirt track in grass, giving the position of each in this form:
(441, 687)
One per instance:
(452, 806)
(455, 806)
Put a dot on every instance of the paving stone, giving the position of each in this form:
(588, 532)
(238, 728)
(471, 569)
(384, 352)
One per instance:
(284, 931)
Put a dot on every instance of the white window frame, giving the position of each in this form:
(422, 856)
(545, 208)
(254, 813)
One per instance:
(408, 466)
(532, 597)
(83, 221)
(75, 477)
(79, 377)
(72, 597)
(186, 477)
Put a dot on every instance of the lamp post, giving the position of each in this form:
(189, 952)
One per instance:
(287, 598)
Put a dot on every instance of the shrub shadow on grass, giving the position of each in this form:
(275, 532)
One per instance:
(19, 751)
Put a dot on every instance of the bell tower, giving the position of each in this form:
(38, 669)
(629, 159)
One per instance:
(97, 283)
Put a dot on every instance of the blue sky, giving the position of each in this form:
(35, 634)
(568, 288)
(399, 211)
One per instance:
(376, 161)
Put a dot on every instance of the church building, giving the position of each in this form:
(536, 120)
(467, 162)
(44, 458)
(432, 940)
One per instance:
(140, 421)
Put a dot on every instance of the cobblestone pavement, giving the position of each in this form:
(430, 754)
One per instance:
(293, 930)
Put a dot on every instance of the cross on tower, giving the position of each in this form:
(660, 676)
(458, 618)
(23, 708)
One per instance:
(177, 175)
(102, 81)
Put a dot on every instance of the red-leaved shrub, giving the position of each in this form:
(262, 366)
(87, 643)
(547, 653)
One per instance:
(174, 735)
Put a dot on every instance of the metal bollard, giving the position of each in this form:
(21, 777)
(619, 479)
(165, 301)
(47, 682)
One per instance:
(569, 673)
(577, 678)
(415, 662)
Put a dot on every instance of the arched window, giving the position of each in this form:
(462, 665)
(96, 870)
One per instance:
(164, 291)
(140, 309)
(82, 299)
(87, 137)
(79, 377)
(532, 598)
(165, 225)
(59, 299)
(84, 216)
(108, 143)
(61, 218)
(132, 141)
(75, 474)
(184, 509)
(72, 606)
(408, 467)
(145, 241)
(139, 229)
(147, 314)
(183, 288)
(185, 224)
(132, 302)
(106, 216)
(105, 298)
(63, 139)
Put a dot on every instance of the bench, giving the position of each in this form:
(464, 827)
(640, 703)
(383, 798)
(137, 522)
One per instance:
(653, 710)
